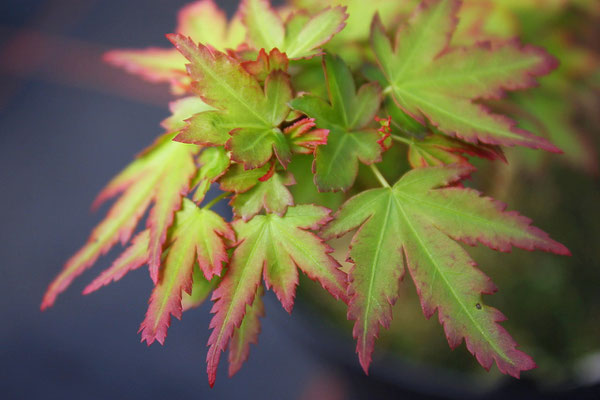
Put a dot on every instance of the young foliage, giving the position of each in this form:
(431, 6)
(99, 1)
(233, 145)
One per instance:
(253, 121)
(300, 36)
(418, 219)
(196, 238)
(272, 246)
(434, 82)
(347, 117)
(159, 176)
(247, 118)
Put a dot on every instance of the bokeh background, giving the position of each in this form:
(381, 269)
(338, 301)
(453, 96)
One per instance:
(69, 122)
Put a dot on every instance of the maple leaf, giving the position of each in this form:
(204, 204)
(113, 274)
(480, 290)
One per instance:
(161, 175)
(303, 138)
(239, 180)
(204, 22)
(158, 176)
(275, 247)
(270, 194)
(301, 36)
(419, 219)
(266, 63)
(247, 118)
(360, 13)
(434, 82)
(347, 117)
(196, 237)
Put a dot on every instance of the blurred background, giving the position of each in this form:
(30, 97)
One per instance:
(69, 122)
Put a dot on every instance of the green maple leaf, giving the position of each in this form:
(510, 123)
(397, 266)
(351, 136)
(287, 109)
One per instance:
(197, 238)
(246, 118)
(347, 117)
(436, 83)
(275, 247)
(258, 189)
(192, 263)
(419, 219)
(272, 195)
(300, 36)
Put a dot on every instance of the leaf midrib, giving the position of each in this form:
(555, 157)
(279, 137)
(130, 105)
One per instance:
(427, 81)
(483, 220)
(373, 269)
(479, 129)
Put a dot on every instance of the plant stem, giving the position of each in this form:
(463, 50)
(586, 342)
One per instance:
(401, 139)
(216, 200)
(379, 176)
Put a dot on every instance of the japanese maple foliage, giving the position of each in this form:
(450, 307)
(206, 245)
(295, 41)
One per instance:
(273, 85)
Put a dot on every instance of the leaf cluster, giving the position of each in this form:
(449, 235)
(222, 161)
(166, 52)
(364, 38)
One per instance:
(280, 110)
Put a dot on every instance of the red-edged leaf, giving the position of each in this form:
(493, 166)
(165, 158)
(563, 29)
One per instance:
(438, 84)
(266, 63)
(197, 236)
(301, 36)
(417, 219)
(271, 194)
(161, 175)
(347, 117)
(304, 138)
(247, 117)
(275, 247)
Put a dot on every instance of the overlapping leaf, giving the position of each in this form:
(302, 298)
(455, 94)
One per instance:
(197, 237)
(204, 22)
(300, 36)
(247, 118)
(274, 246)
(347, 117)
(431, 81)
(418, 219)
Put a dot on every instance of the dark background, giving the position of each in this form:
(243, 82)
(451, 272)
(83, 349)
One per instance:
(68, 123)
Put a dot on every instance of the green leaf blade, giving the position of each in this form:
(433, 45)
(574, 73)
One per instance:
(418, 218)
(350, 140)
(196, 237)
(437, 84)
